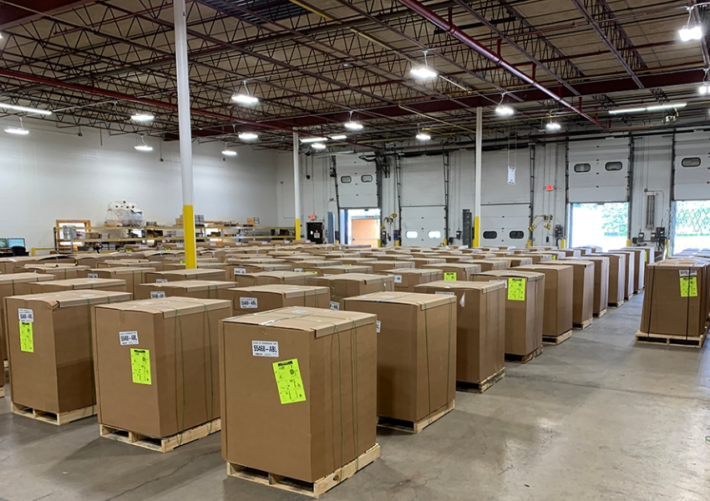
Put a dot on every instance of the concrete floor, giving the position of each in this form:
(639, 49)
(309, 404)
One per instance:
(595, 418)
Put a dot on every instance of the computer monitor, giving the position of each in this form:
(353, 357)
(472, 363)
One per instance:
(16, 242)
(3, 243)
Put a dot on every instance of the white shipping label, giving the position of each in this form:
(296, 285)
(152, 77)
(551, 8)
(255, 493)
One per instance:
(265, 348)
(128, 337)
(161, 280)
(683, 273)
(445, 293)
(157, 294)
(26, 316)
(504, 282)
(298, 270)
(378, 326)
(240, 271)
(334, 305)
(398, 279)
(92, 275)
(248, 302)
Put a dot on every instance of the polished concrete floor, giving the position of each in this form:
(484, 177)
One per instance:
(596, 418)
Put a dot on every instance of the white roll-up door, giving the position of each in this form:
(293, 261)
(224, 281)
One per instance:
(423, 201)
(598, 171)
(692, 166)
(357, 182)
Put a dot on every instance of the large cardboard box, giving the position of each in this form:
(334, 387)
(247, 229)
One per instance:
(419, 262)
(458, 258)
(416, 352)
(180, 275)
(491, 264)
(248, 300)
(559, 283)
(61, 270)
(583, 290)
(601, 281)
(391, 265)
(198, 289)
(480, 326)
(536, 257)
(272, 277)
(232, 270)
(131, 263)
(301, 266)
(516, 261)
(352, 284)
(405, 279)
(49, 336)
(630, 272)
(326, 271)
(133, 276)
(617, 277)
(91, 260)
(640, 260)
(75, 284)
(455, 271)
(356, 260)
(571, 252)
(312, 421)
(524, 308)
(157, 369)
(8, 264)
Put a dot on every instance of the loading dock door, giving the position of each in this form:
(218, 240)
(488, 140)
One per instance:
(423, 201)
(598, 171)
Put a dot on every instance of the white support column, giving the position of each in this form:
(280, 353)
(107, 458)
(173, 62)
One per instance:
(296, 187)
(477, 191)
(185, 129)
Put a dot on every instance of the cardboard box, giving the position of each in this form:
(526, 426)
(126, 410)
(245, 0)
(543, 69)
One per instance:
(259, 298)
(8, 264)
(180, 275)
(480, 326)
(629, 272)
(356, 260)
(352, 284)
(394, 257)
(420, 262)
(61, 271)
(617, 276)
(536, 257)
(49, 334)
(405, 279)
(133, 276)
(583, 290)
(91, 260)
(571, 252)
(272, 277)
(516, 261)
(455, 271)
(559, 284)
(232, 270)
(308, 426)
(491, 264)
(198, 289)
(524, 308)
(391, 265)
(640, 260)
(326, 271)
(416, 351)
(128, 263)
(253, 221)
(157, 369)
(458, 258)
(601, 281)
(75, 284)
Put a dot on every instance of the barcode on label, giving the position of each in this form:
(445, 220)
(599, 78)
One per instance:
(93, 275)
(445, 293)
(240, 271)
(334, 305)
(161, 281)
(157, 294)
(128, 338)
(248, 302)
(265, 348)
(299, 270)
(398, 279)
(378, 326)
(26, 316)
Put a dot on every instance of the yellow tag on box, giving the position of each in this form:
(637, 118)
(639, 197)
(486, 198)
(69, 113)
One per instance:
(140, 366)
(289, 381)
(27, 339)
(688, 287)
(554, 257)
(516, 289)
(450, 276)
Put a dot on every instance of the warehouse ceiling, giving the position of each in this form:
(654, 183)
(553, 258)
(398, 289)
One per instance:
(316, 64)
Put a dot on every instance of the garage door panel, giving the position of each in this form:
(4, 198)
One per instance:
(357, 183)
(692, 167)
(494, 176)
(423, 181)
(598, 171)
(423, 226)
(505, 225)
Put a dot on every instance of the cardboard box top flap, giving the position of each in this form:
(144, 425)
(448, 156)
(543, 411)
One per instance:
(680, 264)
(288, 291)
(194, 285)
(543, 267)
(411, 271)
(514, 273)
(25, 277)
(187, 273)
(172, 306)
(56, 266)
(125, 270)
(484, 287)
(461, 266)
(163, 253)
(343, 267)
(276, 274)
(424, 301)
(365, 278)
(319, 321)
(91, 283)
(65, 299)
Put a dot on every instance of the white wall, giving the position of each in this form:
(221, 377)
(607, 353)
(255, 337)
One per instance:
(55, 174)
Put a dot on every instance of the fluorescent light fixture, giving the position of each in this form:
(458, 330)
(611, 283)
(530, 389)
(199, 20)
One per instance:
(313, 139)
(142, 117)
(318, 146)
(553, 126)
(353, 125)
(143, 147)
(688, 33)
(423, 73)
(657, 107)
(18, 131)
(338, 137)
(626, 110)
(14, 107)
(247, 99)
(504, 110)
(229, 153)
(248, 136)
(704, 88)
(423, 136)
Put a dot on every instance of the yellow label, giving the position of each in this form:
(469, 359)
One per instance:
(313, 272)
(554, 257)
(289, 382)
(182, 262)
(128, 251)
(688, 287)
(450, 275)
(645, 256)
(347, 265)
(27, 339)
(140, 366)
(516, 289)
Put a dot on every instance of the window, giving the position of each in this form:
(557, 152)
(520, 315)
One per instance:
(367, 178)
(490, 234)
(346, 179)
(517, 234)
(434, 234)
(611, 166)
(690, 162)
(411, 234)
(582, 168)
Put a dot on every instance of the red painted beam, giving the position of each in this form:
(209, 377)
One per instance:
(31, 10)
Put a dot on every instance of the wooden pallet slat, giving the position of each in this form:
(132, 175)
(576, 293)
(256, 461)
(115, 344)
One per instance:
(481, 386)
(583, 325)
(57, 419)
(165, 444)
(418, 426)
(616, 305)
(556, 340)
(2, 392)
(601, 313)
(311, 489)
(523, 359)
(670, 340)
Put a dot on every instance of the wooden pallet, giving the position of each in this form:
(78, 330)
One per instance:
(601, 313)
(616, 305)
(311, 489)
(555, 340)
(163, 445)
(51, 417)
(583, 325)
(662, 339)
(2, 392)
(523, 359)
(481, 386)
(418, 426)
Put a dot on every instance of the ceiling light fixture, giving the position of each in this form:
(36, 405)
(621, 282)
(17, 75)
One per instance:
(14, 107)
(227, 152)
(313, 139)
(318, 146)
(339, 137)
(142, 117)
(245, 98)
(656, 107)
(350, 125)
(704, 88)
(422, 136)
(553, 126)
(504, 110)
(248, 136)
(143, 147)
(423, 72)
(18, 131)
(691, 30)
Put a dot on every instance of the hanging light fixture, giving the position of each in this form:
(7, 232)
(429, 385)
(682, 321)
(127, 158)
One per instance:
(422, 136)
(339, 137)
(553, 126)
(227, 152)
(350, 125)
(25, 109)
(142, 117)
(423, 72)
(245, 98)
(18, 131)
(705, 86)
(313, 139)
(691, 30)
(318, 146)
(248, 136)
(143, 147)
(504, 110)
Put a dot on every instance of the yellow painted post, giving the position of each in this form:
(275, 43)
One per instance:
(563, 243)
(476, 232)
(188, 221)
(298, 229)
